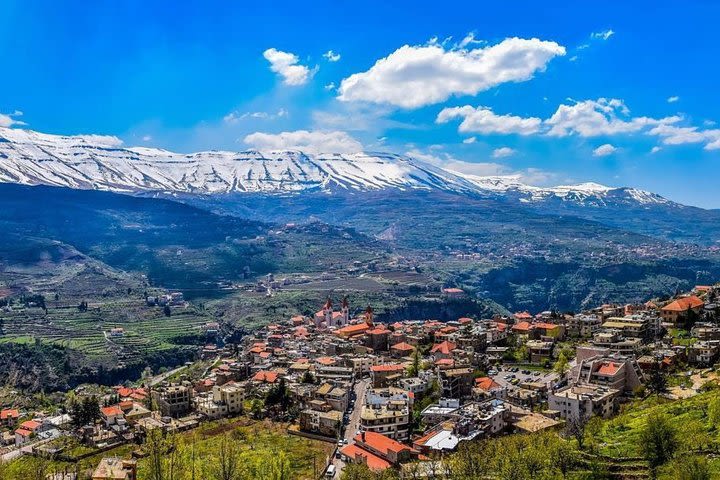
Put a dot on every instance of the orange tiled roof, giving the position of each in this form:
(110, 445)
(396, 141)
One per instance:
(9, 413)
(380, 442)
(523, 316)
(111, 411)
(402, 347)
(31, 425)
(23, 432)
(608, 368)
(352, 329)
(546, 326)
(486, 383)
(373, 461)
(522, 327)
(265, 376)
(445, 347)
(388, 367)
(683, 304)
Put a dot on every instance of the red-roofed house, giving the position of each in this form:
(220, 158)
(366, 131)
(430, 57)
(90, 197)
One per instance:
(679, 309)
(443, 350)
(264, 376)
(385, 375)
(385, 447)
(110, 415)
(487, 387)
(402, 349)
(9, 417)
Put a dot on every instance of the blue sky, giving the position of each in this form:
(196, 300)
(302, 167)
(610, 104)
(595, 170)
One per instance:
(554, 92)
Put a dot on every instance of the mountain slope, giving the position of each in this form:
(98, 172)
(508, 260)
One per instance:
(91, 162)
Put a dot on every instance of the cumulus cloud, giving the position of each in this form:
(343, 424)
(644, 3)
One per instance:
(331, 56)
(673, 99)
(9, 119)
(484, 120)
(603, 116)
(330, 86)
(287, 66)
(529, 176)
(469, 140)
(655, 149)
(415, 76)
(587, 118)
(503, 152)
(604, 150)
(604, 35)
(315, 141)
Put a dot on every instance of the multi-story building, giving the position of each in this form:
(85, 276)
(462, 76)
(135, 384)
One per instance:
(172, 400)
(581, 401)
(456, 382)
(704, 353)
(327, 423)
(614, 371)
(390, 418)
(584, 326)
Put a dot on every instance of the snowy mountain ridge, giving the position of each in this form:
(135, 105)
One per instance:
(100, 163)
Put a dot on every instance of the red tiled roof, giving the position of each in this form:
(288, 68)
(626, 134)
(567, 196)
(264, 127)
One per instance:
(523, 316)
(373, 461)
(608, 368)
(380, 442)
(111, 411)
(389, 367)
(464, 320)
(683, 304)
(325, 360)
(445, 347)
(445, 361)
(9, 413)
(522, 327)
(352, 329)
(31, 425)
(23, 432)
(402, 347)
(546, 326)
(486, 383)
(265, 376)
(378, 331)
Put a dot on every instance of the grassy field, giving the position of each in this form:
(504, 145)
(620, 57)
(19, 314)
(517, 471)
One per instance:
(257, 442)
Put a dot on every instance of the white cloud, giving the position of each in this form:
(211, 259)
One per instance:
(655, 149)
(415, 76)
(307, 141)
(469, 140)
(104, 140)
(673, 135)
(503, 152)
(529, 176)
(146, 138)
(604, 150)
(713, 137)
(331, 56)
(673, 99)
(234, 117)
(484, 120)
(573, 58)
(330, 86)
(8, 120)
(604, 35)
(286, 65)
(603, 116)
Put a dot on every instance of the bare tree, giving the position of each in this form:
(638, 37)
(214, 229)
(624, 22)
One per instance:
(228, 465)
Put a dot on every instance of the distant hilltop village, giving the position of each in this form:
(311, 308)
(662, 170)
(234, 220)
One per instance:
(391, 395)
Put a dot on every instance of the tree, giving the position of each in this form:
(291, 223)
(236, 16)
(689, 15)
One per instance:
(308, 377)
(414, 367)
(658, 441)
(691, 468)
(562, 365)
(575, 428)
(714, 411)
(657, 381)
(227, 466)
(166, 310)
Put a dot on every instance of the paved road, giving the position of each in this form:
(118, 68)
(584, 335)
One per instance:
(353, 426)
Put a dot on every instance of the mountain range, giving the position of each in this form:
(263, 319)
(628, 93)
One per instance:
(523, 246)
(93, 162)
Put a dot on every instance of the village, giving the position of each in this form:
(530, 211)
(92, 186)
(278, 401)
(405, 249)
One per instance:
(391, 396)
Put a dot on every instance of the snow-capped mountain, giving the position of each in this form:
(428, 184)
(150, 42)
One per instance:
(97, 162)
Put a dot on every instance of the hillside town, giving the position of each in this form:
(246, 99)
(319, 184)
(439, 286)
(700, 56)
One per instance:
(388, 396)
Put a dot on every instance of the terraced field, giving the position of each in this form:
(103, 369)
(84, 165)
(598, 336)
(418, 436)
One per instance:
(146, 329)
